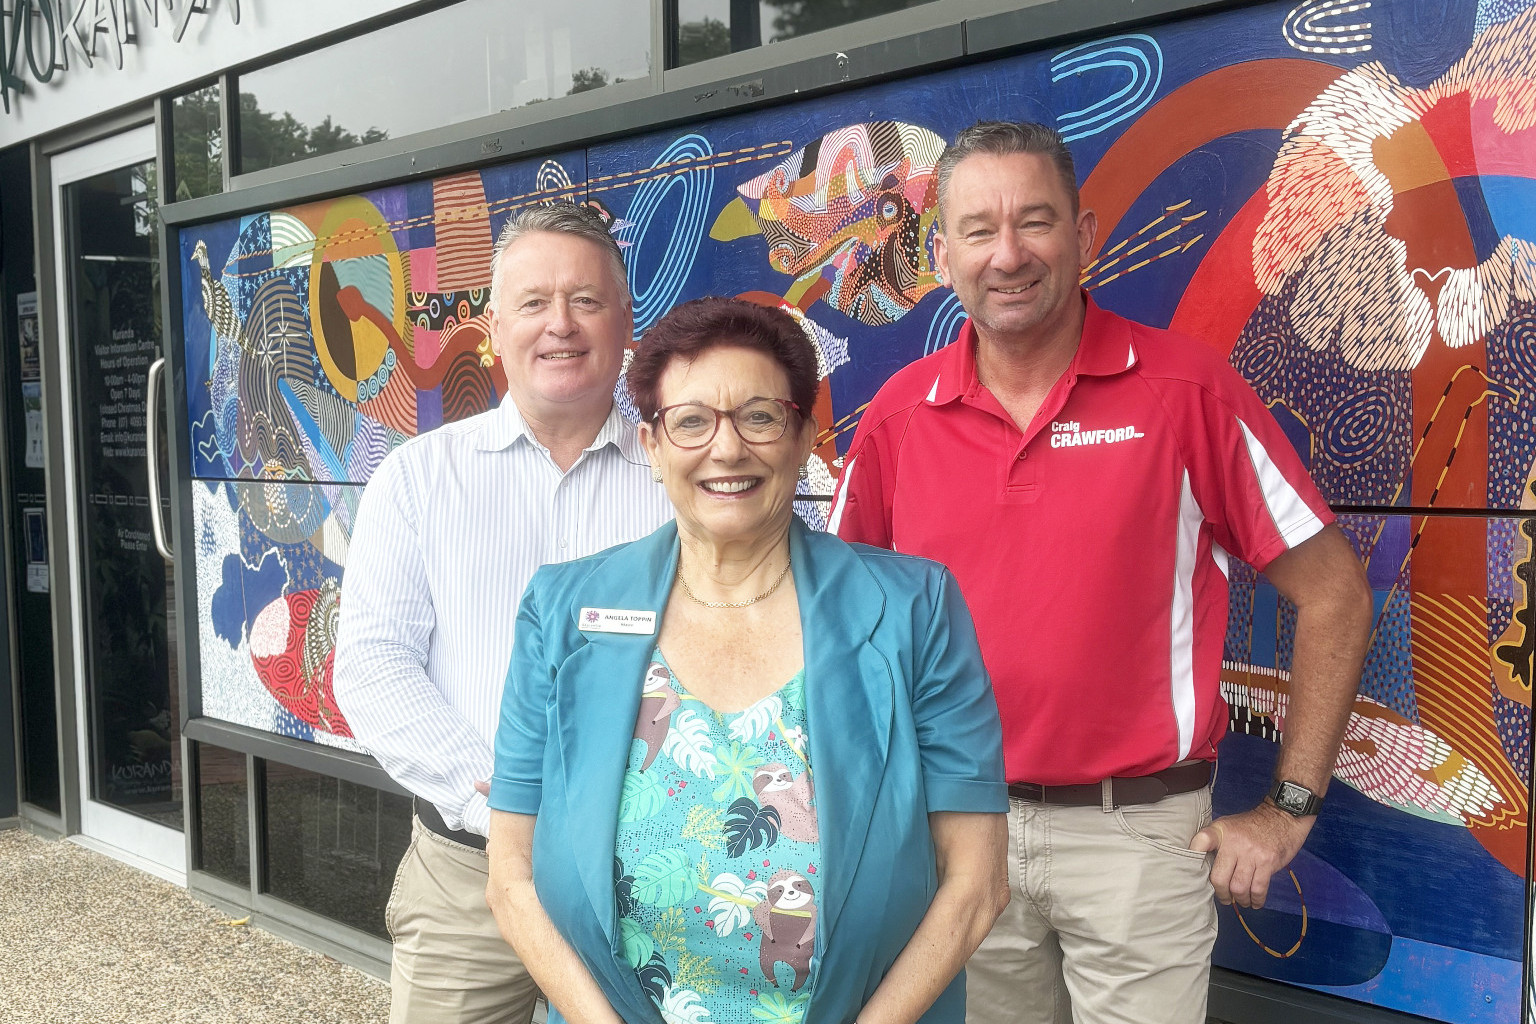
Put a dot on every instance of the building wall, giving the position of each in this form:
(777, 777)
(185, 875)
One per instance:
(85, 57)
(1341, 205)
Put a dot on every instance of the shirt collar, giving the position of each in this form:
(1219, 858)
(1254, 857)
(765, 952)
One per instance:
(508, 425)
(957, 368)
(1105, 348)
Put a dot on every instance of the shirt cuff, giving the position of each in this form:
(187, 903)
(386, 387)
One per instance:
(973, 795)
(515, 797)
(477, 816)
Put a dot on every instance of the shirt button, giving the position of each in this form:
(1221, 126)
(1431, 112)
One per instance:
(562, 545)
(1023, 456)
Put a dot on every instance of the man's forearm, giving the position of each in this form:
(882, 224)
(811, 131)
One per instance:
(1325, 581)
(1325, 675)
(401, 717)
(1333, 626)
(384, 638)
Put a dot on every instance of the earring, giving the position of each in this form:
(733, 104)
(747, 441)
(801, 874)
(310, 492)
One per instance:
(655, 474)
(805, 472)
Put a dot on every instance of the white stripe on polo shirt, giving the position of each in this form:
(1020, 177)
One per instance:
(1181, 617)
(841, 498)
(1294, 520)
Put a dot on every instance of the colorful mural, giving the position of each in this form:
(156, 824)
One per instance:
(1337, 197)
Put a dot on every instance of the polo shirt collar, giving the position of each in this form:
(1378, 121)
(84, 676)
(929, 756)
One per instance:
(1106, 348)
(957, 368)
(508, 425)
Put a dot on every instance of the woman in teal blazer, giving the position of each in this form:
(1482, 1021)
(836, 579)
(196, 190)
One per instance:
(895, 865)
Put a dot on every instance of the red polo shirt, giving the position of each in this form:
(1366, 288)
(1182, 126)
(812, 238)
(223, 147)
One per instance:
(1092, 549)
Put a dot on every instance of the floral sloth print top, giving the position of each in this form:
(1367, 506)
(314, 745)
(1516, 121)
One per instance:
(717, 857)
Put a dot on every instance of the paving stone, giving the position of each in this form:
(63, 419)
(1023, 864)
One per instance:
(85, 939)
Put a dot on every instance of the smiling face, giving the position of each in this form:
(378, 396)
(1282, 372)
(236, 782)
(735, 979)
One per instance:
(560, 326)
(789, 891)
(729, 490)
(1011, 247)
(772, 778)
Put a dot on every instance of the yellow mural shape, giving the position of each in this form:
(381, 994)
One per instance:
(352, 337)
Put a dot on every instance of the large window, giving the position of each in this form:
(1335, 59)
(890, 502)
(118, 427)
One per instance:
(712, 28)
(223, 814)
(465, 61)
(332, 846)
(197, 145)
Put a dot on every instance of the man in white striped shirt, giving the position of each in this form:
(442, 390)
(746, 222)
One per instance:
(450, 529)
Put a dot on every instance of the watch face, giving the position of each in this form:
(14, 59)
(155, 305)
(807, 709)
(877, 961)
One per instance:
(1291, 797)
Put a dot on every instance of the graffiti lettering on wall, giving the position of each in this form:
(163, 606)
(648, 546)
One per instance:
(1339, 198)
(40, 39)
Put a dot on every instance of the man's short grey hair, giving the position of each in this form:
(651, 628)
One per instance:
(1006, 138)
(565, 219)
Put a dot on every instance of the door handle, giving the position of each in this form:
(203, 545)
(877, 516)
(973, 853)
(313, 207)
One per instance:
(152, 454)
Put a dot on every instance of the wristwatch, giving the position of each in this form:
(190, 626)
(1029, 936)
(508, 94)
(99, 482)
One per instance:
(1295, 799)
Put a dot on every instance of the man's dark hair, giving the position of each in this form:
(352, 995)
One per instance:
(1005, 138)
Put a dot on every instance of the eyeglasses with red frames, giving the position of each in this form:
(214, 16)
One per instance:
(757, 421)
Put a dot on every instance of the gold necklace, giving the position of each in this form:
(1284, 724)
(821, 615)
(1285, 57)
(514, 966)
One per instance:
(730, 604)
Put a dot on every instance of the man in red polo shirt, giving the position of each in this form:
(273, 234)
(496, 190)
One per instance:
(1087, 479)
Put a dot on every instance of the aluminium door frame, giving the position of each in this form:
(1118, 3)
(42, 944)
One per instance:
(151, 847)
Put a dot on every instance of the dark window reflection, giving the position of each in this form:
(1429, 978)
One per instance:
(197, 144)
(223, 814)
(271, 140)
(712, 28)
(463, 61)
(332, 846)
(135, 744)
(33, 623)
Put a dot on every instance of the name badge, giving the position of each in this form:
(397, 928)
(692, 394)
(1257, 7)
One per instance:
(617, 620)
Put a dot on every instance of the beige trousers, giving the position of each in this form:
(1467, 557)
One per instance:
(1112, 918)
(450, 965)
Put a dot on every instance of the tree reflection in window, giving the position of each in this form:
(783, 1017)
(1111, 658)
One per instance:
(197, 144)
(587, 79)
(701, 40)
(270, 140)
(451, 64)
(800, 17)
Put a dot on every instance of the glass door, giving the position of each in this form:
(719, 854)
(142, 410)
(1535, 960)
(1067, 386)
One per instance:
(128, 717)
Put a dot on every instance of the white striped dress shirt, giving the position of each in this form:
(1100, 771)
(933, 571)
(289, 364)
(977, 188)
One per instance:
(449, 531)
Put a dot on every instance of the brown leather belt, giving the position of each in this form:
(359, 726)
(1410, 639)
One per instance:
(1142, 789)
(434, 822)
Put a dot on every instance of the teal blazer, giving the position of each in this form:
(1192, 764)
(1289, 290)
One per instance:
(900, 722)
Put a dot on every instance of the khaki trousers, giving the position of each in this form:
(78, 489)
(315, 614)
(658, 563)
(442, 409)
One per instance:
(450, 964)
(1112, 918)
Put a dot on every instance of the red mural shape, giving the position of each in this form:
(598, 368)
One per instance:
(292, 648)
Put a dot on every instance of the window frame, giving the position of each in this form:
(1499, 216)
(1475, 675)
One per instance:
(898, 44)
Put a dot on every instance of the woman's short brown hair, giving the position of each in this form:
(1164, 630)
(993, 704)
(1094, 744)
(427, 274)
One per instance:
(702, 324)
